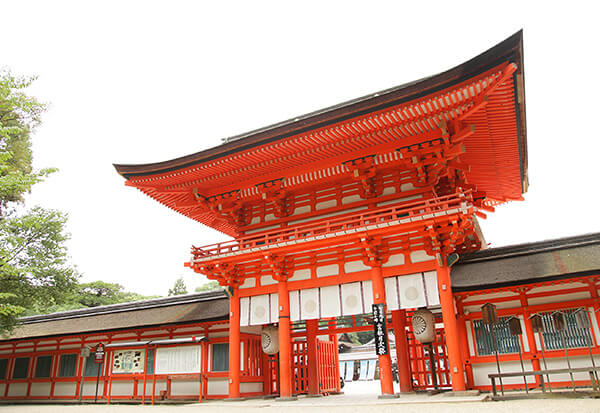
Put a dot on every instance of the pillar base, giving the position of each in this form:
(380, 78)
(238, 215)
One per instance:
(234, 399)
(286, 399)
(314, 395)
(464, 393)
(387, 396)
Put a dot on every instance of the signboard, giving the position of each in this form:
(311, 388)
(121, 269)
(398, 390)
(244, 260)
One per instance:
(128, 361)
(380, 330)
(178, 360)
(99, 353)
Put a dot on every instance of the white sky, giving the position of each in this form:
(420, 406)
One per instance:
(137, 82)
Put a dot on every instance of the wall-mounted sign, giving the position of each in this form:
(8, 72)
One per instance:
(380, 329)
(128, 361)
(99, 353)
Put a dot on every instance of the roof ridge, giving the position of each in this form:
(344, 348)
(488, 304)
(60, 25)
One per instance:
(531, 247)
(121, 307)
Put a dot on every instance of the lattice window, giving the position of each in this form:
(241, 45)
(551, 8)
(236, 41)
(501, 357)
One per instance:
(3, 368)
(504, 340)
(91, 367)
(574, 337)
(43, 366)
(68, 365)
(21, 368)
(220, 357)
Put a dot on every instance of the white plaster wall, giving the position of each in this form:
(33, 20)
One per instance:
(355, 266)
(64, 389)
(251, 387)
(121, 388)
(40, 389)
(299, 275)
(396, 259)
(481, 371)
(559, 298)
(328, 270)
(185, 387)
(217, 386)
(19, 389)
(89, 388)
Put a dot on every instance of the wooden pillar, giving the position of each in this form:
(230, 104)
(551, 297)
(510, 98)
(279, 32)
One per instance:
(285, 351)
(385, 361)
(450, 327)
(535, 361)
(464, 345)
(402, 357)
(234, 345)
(312, 328)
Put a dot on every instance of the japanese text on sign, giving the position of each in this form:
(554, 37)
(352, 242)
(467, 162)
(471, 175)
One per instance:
(380, 330)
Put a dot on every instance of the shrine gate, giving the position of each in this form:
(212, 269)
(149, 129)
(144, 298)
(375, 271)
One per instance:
(367, 202)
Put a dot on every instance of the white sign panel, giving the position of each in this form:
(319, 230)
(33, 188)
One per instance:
(177, 360)
(128, 361)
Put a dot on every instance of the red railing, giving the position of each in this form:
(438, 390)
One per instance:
(384, 216)
(420, 362)
(299, 367)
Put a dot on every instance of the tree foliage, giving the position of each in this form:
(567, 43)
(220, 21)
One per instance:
(34, 271)
(95, 294)
(209, 286)
(179, 288)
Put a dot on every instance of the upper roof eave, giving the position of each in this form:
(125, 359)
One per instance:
(511, 48)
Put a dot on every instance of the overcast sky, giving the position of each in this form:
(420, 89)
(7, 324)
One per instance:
(137, 82)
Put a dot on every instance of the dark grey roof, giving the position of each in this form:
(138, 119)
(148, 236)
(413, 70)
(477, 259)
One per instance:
(511, 49)
(189, 308)
(525, 263)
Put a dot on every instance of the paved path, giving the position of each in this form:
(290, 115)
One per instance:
(335, 404)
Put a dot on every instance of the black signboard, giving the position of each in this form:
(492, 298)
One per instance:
(380, 330)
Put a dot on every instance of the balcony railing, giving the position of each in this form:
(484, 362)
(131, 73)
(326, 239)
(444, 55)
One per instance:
(413, 211)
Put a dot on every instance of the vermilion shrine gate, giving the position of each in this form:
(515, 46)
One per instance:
(367, 202)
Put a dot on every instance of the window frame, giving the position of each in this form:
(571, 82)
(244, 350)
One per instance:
(480, 326)
(36, 367)
(60, 365)
(212, 357)
(14, 368)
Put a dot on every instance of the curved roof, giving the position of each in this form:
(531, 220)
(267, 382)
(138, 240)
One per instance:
(496, 152)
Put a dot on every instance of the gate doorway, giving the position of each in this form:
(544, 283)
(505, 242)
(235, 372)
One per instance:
(420, 362)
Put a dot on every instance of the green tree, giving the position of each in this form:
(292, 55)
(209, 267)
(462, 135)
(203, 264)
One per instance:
(34, 272)
(97, 293)
(178, 288)
(209, 286)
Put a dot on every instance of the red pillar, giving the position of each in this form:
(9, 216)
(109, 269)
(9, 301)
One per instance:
(285, 351)
(457, 374)
(234, 345)
(385, 361)
(464, 347)
(312, 328)
(402, 358)
(535, 361)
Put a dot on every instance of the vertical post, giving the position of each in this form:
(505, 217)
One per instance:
(234, 345)
(332, 325)
(464, 345)
(452, 340)
(402, 358)
(535, 361)
(312, 328)
(285, 351)
(385, 361)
